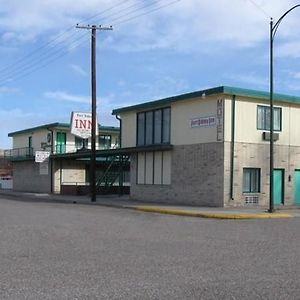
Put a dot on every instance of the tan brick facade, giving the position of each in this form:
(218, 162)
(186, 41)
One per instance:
(196, 177)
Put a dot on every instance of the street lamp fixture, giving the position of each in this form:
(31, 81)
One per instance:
(273, 30)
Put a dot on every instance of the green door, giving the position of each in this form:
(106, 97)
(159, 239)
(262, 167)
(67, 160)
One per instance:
(61, 142)
(297, 187)
(278, 184)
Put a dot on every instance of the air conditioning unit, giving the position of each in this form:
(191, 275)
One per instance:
(266, 136)
(251, 200)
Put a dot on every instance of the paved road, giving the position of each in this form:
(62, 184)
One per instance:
(71, 251)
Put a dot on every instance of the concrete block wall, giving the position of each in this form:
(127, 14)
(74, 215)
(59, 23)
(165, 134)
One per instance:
(258, 156)
(27, 178)
(196, 177)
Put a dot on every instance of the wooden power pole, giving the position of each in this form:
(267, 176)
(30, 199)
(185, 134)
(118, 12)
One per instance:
(93, 29)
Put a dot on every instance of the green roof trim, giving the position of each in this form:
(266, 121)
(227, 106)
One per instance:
(207, 92)
(59, 125)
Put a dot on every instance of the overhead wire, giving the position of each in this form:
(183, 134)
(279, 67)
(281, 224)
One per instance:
(259, 7)
(61, 35)
(29, 60)
(37, 63)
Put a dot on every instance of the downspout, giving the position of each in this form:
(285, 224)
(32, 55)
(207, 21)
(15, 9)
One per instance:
(120, 134)
(121, 163)
(51, 162)
(232, 146)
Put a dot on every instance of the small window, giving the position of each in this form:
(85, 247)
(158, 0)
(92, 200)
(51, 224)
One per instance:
(263, 118)
(251, 180)
(80, 143)
(104, 141)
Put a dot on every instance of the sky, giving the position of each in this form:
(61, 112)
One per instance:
(157, 49)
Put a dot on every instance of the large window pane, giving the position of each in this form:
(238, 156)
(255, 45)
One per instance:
(149, 127)
(251, 180)
(277, 119)
(264, 116)
(153, 127)
(157, 126)
(141, 129)
(166, 125)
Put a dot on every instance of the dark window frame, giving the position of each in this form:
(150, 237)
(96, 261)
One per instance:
(110, 141)
(265, 111)
(255, 175)
(141, 131)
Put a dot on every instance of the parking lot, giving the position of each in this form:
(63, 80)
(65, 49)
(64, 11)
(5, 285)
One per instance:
(73, 251)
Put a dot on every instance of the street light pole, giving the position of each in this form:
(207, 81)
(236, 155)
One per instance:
(271, 204)
(273, 30)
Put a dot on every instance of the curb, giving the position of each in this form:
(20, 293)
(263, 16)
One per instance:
(211, 215)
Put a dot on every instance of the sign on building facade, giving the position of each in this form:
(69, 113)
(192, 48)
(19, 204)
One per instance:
(41, 156)
(81, 124)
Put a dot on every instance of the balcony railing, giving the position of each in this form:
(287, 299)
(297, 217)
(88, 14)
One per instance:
(19, 153)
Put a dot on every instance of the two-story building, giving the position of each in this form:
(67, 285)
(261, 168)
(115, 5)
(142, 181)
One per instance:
(58, 174)
(211, 147)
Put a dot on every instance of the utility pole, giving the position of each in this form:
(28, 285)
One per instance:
(93, 29)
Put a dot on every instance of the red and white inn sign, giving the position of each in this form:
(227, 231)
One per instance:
(81, 124)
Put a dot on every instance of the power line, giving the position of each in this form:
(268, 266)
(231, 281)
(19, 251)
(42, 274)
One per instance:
(34, 64)
(259, 7)
(60, 36)
(147, 12)
(27, 62)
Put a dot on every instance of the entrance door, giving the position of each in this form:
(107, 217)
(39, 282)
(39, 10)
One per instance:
(297, 187)
(61, 142)
(278, 186)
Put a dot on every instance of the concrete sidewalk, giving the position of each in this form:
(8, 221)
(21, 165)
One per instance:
(180, 210)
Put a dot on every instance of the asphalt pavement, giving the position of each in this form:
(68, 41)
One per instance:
(54, 250)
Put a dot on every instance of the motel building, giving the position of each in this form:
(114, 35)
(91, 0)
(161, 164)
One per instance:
(205, 148)
(64, 159)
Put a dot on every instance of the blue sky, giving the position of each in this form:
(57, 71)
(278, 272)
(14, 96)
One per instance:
(182, 46)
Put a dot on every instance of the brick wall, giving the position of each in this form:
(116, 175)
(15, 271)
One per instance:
(258, 156)
(196, 177)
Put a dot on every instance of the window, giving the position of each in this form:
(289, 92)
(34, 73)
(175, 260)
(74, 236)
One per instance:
(104, 141)
(154, 168)
(61, 139)
(153, 127)
(251, 180)
(263, 118)
(80, 143)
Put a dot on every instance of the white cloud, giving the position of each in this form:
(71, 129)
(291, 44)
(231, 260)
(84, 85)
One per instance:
(16, 119)
(4, 90)
(192, 25)
(79, 70)
(64, 96)
(251, 79)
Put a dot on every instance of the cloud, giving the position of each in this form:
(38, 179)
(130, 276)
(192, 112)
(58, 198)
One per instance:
(186, 26)
(64, 96)
(252, 79)
(17, 119)
(79, 70)
(4, 90)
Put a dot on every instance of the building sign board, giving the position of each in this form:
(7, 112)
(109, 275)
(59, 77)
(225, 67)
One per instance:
(220, 112)
(81, 124)
(44, 168)
(41, 156)
(203, 122)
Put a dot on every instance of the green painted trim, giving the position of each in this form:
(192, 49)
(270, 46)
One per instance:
(45, 126)
(213, 91)
(59, 125)
(109, 152)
